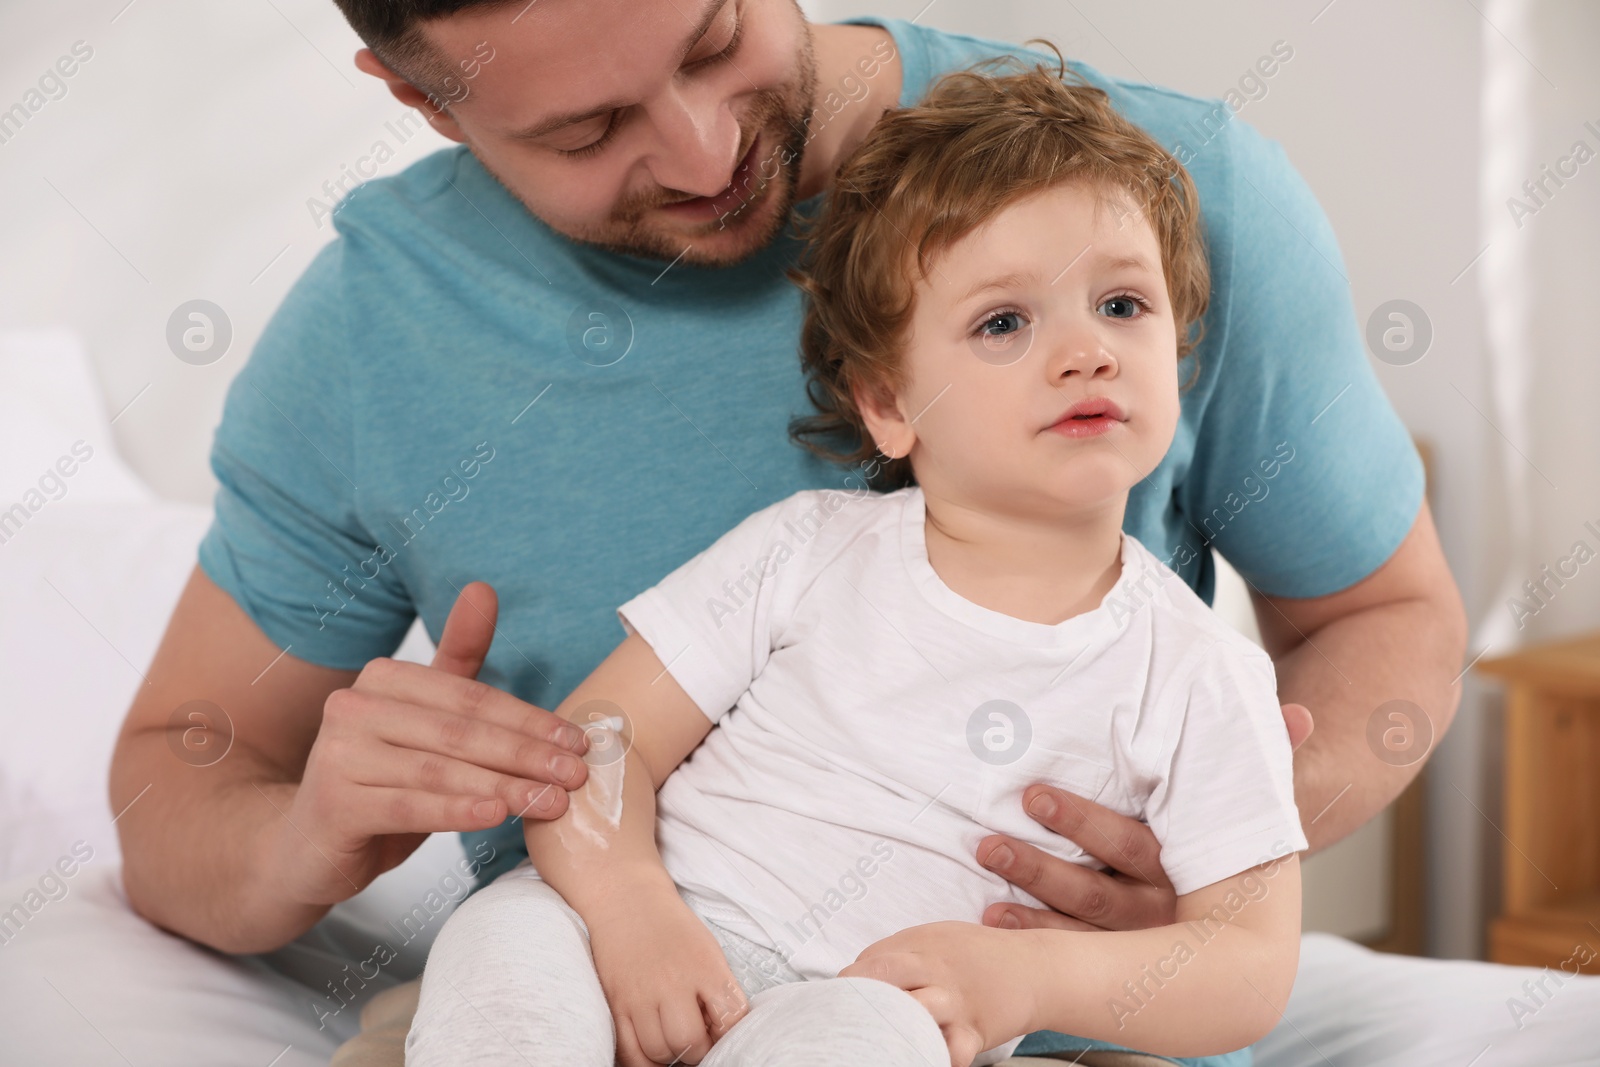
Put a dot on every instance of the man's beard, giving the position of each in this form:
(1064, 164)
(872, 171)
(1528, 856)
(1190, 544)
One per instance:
(783, 119)
(757, 217)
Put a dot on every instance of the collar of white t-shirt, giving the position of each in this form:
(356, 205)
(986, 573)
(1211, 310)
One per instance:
(1080, 634)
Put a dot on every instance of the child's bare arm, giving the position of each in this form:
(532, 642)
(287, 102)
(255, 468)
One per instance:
(1215, 980)
(1212, 982)
(663, 973)
(584, 854)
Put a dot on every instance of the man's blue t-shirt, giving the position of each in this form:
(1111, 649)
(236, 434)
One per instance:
(453, 391)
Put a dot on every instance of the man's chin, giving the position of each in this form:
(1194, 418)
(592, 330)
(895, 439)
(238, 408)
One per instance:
(737, 237)
(717, 242)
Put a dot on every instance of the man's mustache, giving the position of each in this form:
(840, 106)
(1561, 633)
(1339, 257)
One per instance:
(769, 105)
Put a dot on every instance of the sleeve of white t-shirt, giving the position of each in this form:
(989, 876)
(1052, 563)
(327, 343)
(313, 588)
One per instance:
(711, 622)
(1226, 802)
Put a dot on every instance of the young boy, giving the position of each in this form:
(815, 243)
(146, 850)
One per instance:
(840, 697)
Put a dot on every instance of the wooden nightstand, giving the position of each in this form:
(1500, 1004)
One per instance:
(1550, 916)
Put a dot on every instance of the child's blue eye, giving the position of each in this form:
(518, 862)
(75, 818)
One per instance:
(1003, 323)
(1002, 338)
(1131, 303)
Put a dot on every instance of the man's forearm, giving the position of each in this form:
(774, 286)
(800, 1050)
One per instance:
(194, 841)
(1344, 672)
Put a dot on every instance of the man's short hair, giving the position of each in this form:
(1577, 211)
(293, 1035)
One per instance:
(393, 30)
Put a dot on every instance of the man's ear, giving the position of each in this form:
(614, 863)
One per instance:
(886, 421)
(368, 62)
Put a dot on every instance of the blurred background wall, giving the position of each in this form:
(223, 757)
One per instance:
(184, 158)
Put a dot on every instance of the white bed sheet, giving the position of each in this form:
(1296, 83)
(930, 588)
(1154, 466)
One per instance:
(87, 982)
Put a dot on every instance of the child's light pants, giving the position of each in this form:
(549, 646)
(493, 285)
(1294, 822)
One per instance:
(511, 981)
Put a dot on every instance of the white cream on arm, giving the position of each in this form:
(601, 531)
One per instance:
(597, 807)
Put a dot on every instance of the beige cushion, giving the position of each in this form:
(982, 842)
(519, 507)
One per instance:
(384, 1022)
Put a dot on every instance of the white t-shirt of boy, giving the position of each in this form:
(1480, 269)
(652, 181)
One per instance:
(872, 726)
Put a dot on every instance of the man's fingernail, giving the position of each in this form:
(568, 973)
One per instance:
(1043, 806)
(484, 809)
(569, 737)
(1008, 921)
(564, 766)
(1000, 856)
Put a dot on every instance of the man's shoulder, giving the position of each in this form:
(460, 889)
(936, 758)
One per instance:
(306, 346)
(445, 213)
(1183, 122)
(415, 192)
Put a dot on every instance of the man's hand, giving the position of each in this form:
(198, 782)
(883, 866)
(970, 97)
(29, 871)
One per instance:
(671, 992)
(410, 750)
(968, 976)
(1133, 895)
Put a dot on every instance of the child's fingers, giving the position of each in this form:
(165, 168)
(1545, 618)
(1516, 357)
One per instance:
(904, 969)
(725, 1004)
(683, 1030)
(939, 1002)
(647, 1032)
(961, 1040)
(629, 1054)
(964, 1045)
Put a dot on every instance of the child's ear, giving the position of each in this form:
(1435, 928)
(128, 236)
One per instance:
(886, 421)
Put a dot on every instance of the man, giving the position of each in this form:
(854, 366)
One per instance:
(561, 359)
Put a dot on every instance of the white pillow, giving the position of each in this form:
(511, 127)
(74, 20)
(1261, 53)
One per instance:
(55, 434)
(88, 588)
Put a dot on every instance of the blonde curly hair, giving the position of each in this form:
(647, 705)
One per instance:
(928, 175)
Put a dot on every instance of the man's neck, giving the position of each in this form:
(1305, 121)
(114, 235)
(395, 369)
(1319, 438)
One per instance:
(840, 51)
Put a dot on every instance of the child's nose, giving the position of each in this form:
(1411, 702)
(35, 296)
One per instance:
(1080, 352)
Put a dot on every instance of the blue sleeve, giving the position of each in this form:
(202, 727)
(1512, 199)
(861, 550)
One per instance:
(286, 542)
(1303, 475)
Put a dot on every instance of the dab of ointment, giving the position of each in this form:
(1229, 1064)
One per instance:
(597, 807)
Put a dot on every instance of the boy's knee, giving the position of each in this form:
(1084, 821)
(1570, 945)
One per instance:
(869, 1002)
(519, 897)
(890, 1023)
(515, 952)
(845, 1020)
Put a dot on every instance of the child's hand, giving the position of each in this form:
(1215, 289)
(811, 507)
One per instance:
(667, 982)
(969, 977)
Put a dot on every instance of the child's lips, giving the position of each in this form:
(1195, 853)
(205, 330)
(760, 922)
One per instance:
(1089, 417)
(1094, 405)
(1088, 426)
